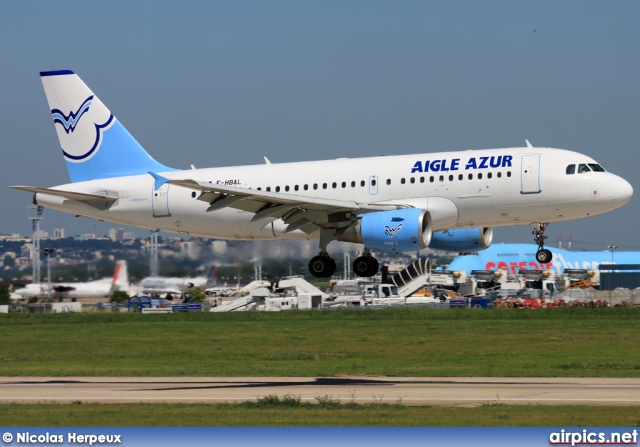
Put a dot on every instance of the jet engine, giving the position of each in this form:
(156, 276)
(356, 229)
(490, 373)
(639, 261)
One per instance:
(462, 239)
(397, 230)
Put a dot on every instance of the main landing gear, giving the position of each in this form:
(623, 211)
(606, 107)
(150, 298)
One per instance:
(365, 265)
(543, 255)
(323, 265)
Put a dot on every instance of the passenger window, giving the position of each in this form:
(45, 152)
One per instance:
(388, 181)
(413, 180)
(499, 174)
(324, 186)
(582, 168)
(431, 179)
(362, 183)
(403, 181)
(571, 169)
(353, 184)
(450, 177)
(470, 176)
(344, 184)
(268, 188)
(315, 186)
(277, 189)
(460, 176)
(421, 179)
(306, 187)
(334, 185)
(442, 178)
(295, 187)
(480, 176)
(489, 175)
(508, 173)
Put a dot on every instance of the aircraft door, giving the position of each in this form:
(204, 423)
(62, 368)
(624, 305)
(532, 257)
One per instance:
(530, 174)
(160, 201)
(373, 185)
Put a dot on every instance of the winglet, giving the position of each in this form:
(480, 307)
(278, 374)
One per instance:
(160, 180)
(528, 144)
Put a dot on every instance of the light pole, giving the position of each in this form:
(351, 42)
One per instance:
(612, 248)
(48, 252)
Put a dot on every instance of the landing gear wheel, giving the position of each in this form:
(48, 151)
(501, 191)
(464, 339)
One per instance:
(544, 256)
(322, 266)
(365, 266)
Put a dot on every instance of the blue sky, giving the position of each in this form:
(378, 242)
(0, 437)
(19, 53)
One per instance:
(225, 83)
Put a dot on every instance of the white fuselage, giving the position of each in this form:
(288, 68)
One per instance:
(489, 188)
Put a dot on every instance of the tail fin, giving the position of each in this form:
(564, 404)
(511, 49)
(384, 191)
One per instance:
(94, 143)
(120, 277)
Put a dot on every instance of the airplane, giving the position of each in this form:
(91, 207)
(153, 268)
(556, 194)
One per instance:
(448, 200)
(514, 257)
(92, 289)
(177, 286)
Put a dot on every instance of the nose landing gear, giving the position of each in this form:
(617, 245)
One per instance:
(543, 255)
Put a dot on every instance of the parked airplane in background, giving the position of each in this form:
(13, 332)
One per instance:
(449, 200)
(93, 289)
(514, 257)
(178, 286)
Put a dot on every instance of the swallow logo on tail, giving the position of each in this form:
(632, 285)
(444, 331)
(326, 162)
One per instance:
(70, 122)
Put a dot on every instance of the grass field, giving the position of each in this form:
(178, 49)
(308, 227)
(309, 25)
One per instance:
(242, 415)
(392, 342)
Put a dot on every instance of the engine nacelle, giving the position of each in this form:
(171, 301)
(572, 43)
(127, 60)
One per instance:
(398, 230)
(462, 239)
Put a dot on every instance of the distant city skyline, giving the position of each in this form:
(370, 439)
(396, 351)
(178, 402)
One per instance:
(227, 83)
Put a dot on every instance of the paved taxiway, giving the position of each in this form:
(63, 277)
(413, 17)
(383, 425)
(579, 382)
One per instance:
(408, 391)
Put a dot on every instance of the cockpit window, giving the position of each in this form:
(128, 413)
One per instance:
(571, 169)
(596, 167)
(583, 168)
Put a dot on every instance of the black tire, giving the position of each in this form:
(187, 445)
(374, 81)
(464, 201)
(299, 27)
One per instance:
(373, 267)
(361, 266)
(322, 266)
(331, 268)
(317, 266)
(544, 256)
(365, 266)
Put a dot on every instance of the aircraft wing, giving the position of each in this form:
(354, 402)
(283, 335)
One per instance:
(299, 212)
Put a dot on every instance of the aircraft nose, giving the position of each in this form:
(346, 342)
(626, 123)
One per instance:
(623, 192)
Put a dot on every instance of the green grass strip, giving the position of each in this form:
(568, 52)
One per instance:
(391, 342)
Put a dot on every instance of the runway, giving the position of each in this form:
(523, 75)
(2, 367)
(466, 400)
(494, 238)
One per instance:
(448, 392)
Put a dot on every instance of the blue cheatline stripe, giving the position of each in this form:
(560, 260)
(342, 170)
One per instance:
(56, 73)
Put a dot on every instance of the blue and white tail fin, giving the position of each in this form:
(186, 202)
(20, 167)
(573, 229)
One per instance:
(94, 143)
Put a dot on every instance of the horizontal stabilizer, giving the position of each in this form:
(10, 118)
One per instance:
(105, 196)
